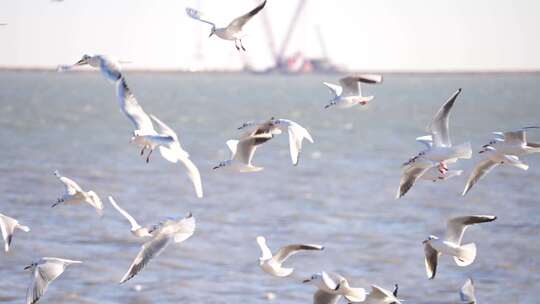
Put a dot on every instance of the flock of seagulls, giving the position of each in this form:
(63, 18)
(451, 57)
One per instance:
(150, 133)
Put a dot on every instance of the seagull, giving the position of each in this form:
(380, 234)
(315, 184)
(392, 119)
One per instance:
(272, 264)
(379, 295)
(44, 272)
(348, 93)
(297, 133)
(330, 292)
(233, 31)
(466, 293)
(441, 149)
(171, 230)
(75, 195)
(514, 142)
(463, 255)
(136, 229)
(493, 159)
(109, 66)
(242, 151)
(7, 226)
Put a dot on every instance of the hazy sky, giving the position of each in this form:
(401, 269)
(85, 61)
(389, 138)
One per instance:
(359, 34)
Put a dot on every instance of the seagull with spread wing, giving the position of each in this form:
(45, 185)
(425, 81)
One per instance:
(463, 255)
(233, 31)
(349, 92)
(75, 195)
(167, 232)
(331, 288)
(272, 264)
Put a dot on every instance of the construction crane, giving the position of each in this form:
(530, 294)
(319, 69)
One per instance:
(290, 31)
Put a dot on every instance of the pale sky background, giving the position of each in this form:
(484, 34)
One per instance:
(359, 34)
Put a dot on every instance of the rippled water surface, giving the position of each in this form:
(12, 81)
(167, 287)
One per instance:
(341, 194)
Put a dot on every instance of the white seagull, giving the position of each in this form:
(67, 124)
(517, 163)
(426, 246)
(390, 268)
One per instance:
(7, 226)
(379, 295)
(169, 231)
(349, 93)
(463, 255)
(493, 159)
(242, 151)
(44, 272)
(273, 264)
(442, 150)
(297, 133)
(136, 229)
(109, 66)
(514, 142)
(233, 31)
(330, 292)
(74, 195)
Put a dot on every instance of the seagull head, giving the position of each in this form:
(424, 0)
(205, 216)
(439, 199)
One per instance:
(31, 266)
(84, 60)
(487, 148)
(221, 165)
(429, 239)
(314, 278)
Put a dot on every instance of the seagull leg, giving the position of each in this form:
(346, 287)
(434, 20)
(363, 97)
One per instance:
(242, 45)
(236, 45)
(142, 151)
(148, 157)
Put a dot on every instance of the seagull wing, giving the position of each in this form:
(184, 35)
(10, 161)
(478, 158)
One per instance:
(266, 252)
(515, 137)
(184, 229)
(297, 133)
(322, 297)
(431, 260)
(467, 292)
(245, 149)
(439, 125)
(478, 173)
(95, 202)
(131, 108)
(426, 140)
(44, 274)
(110, 68)
(198, 15)
(335, 89)
(7, 226)
(149, 250)
(237, 24)
(132, 221)
(71, 187)
(329, 282)
(455, 228)
(380, 295)
(194, 175)
(285, 252)
(410, 175)
(351, 84)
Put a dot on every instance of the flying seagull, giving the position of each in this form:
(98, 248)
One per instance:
(242, 151)
(74, 195)
(44, 272)
(274, 126)
(493, 159)
(233, 31)
(466, 293)
(169, 231)
(349, 93)
(441, 149)
(136, 229)
(514, 142)
(273, 264)
(463, 255)
(330, 292)
(7, 226)
(109, 66)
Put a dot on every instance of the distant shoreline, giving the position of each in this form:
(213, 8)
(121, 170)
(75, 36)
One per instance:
(180, 71)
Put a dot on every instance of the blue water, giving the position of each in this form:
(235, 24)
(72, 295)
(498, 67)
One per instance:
(341, 195)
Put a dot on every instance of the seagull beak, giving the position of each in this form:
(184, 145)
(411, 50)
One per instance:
(216, 167)
(306, 281)
(27, 267)
(481, 151)
(81, 62)
(424, 242)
